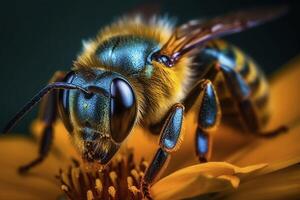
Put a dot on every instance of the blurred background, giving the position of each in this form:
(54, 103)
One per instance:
(39, 37)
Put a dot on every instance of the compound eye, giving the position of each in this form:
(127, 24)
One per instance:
(123, 109)
(63, 103)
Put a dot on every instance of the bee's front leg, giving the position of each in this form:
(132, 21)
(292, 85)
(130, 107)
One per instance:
(169, 142)
(209, 115)
(48, 114)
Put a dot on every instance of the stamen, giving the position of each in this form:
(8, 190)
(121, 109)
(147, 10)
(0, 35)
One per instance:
(112, 191)
(64, 188)
(135, 175)
(134, 189)
(113, 177)
(120, 179)
(129, 181)
(144, 166)
(75, 177)
(89, 195)
(64, 178)
(135, 193)
(99, 186)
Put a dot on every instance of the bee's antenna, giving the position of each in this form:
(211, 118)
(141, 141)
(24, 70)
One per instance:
(37, 98)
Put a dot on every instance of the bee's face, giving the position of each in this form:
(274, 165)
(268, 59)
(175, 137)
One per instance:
(98, 122)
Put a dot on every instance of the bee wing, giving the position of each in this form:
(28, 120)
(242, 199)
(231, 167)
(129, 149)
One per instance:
(195, 33)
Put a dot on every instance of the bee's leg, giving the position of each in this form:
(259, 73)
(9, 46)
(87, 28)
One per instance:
(208, 117)
(169, 141)
(240, 92)
(48, 114)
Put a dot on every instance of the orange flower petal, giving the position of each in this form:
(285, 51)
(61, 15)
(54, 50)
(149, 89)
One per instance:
(285, 95)
(15, 151)
(33, 186)
(17, 193)
(279, 152)
(283, 184)
(200, 179)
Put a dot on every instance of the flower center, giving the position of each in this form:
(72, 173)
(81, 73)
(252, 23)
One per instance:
(120, 179)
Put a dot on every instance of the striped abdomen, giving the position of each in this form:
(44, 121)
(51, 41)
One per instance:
(234, 58)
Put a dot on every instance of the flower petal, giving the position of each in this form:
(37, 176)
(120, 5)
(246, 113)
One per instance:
(279, 152)
(285, 94)
(200, 179)
(283, 184)
(235, 181)
(16, 194)
(15, 151)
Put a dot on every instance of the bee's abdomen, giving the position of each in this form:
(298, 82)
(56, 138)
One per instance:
(234, 58)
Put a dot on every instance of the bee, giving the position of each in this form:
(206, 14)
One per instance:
(151, 73)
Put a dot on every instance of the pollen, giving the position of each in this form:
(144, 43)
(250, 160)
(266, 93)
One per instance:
(120, 179)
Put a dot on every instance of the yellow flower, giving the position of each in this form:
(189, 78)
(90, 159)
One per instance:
(242, 166)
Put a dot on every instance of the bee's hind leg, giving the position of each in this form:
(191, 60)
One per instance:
(240, 92)
(48, 114)
(169, 141)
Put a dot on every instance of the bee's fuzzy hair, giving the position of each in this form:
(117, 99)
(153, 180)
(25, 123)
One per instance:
(166, 87)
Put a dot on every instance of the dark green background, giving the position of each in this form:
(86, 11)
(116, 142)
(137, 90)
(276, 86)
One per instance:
(40, 37)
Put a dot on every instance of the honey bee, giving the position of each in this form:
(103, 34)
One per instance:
(150, 72)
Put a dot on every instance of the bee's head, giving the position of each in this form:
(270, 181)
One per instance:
(100, 121)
